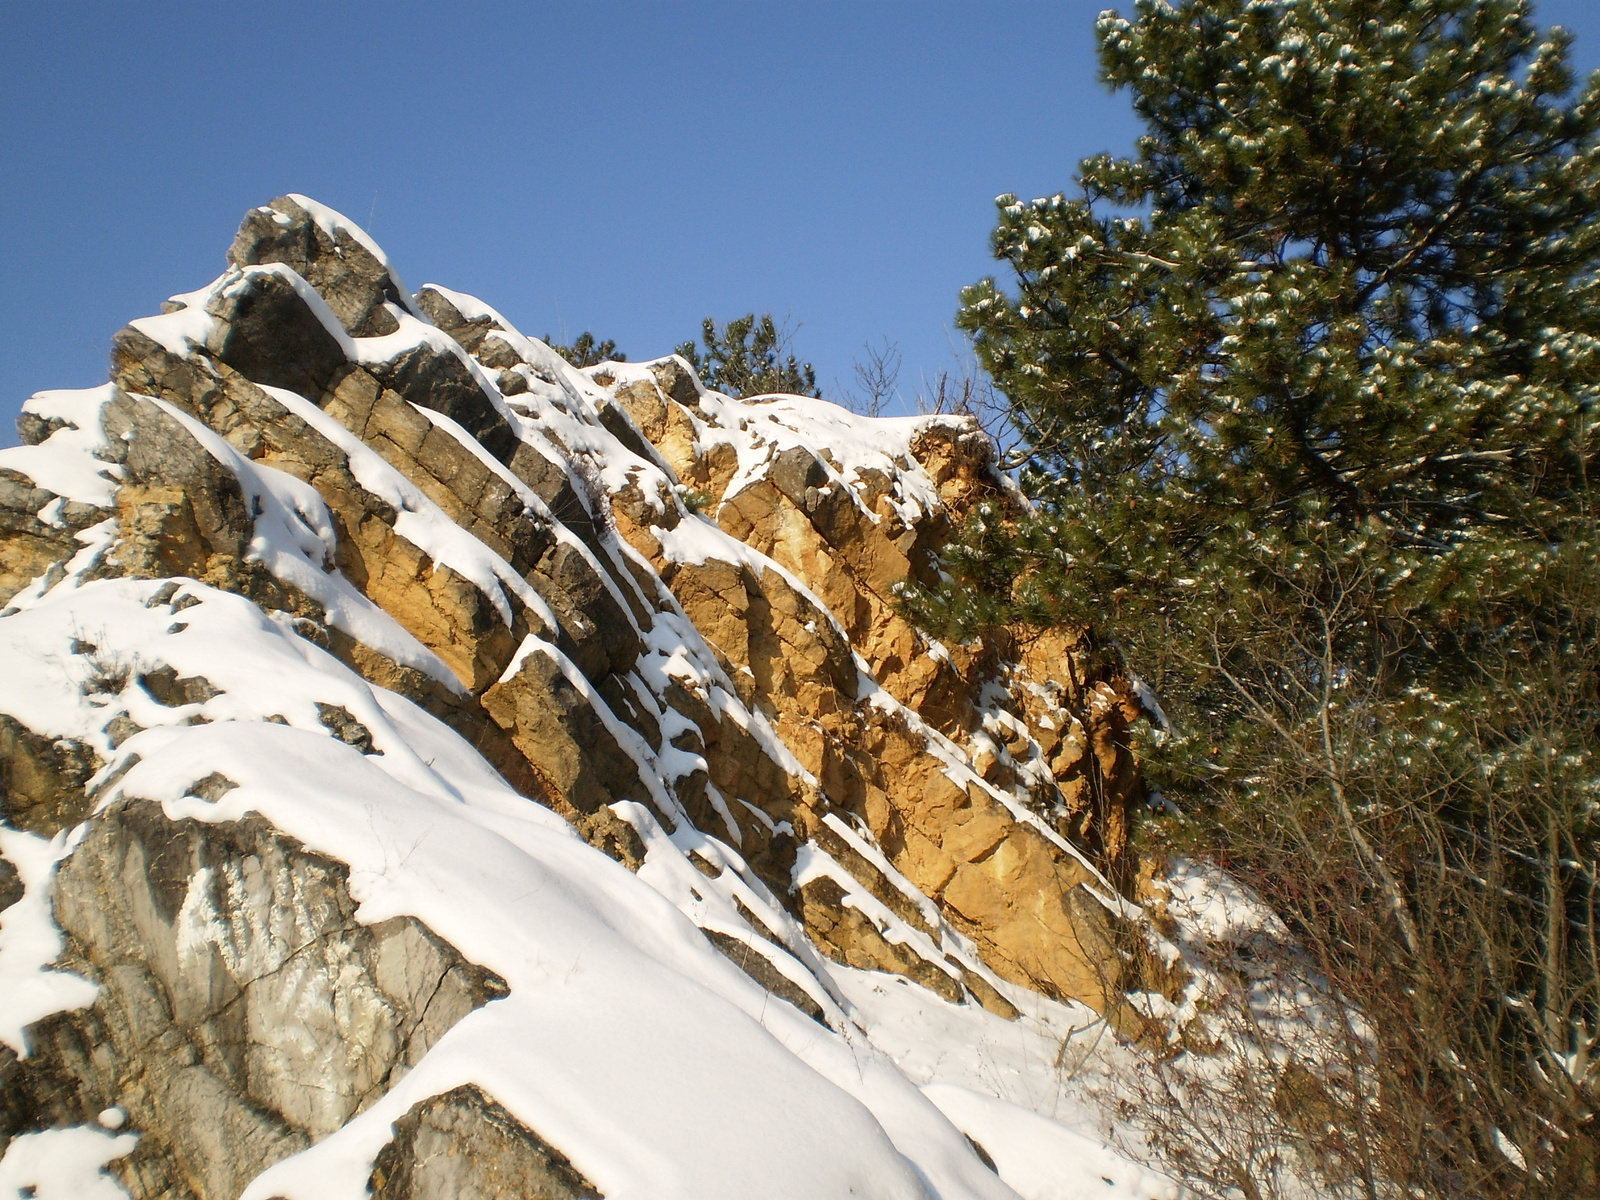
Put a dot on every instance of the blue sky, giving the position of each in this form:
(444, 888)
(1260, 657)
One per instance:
(628, 169)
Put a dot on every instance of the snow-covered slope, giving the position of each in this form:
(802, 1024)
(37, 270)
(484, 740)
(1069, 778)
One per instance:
(431, 769)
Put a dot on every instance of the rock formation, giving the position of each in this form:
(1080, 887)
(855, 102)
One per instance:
(336, 613)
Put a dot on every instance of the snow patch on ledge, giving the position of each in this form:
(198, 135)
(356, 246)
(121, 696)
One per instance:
(67, 462)
(30, 941)
(64, 1164)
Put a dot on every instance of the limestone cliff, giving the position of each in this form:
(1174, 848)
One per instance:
(334, 615)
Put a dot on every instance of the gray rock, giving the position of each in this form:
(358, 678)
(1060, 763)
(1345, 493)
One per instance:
(554, 725)
(448, 317)
(620, 425)
(796, 470)
(29, 547)
(11, 888)
(33, 429)
(339, 721)
(676, 381)
(464, 1146)
(756, 965)
(353, 282)
(600, 633)
(497, 353)
(243, 1013)
(41, 779)
(553, 484)
(434, 378)
(268, 333)
(512, 383)
(167, 687)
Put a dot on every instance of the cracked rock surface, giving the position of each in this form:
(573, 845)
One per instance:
(605, 602)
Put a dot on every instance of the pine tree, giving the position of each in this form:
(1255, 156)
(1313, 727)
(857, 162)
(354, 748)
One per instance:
(749, 357)
(1309, 391)
(586, 351)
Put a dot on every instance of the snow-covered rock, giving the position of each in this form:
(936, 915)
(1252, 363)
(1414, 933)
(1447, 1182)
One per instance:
(433, 770)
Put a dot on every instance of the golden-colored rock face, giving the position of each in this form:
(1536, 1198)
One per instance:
(1037, 730)
(637, 590)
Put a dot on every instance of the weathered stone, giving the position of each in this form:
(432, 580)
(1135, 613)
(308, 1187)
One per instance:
(617, 421)
(674, 378)
(465, 1146)
(496, 353)
(166, 687)
(166, 534)
(998, 881)
(599, 630)
(1042, 719)
(512, 383)
(339, 721)
(42, 779)
(213, 787)
(243, 1010)
(29, 547)
(345, 273)
(32, 429)
(11, 886)
(759, 967)
(430, 376)
(646, 407)
(553, 483)
(268, 333)
(850, 937)
(448, 317)
(554, 726)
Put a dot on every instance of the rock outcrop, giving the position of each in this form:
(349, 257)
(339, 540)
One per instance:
(466, 568)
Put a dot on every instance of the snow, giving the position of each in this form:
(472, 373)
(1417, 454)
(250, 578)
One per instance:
(1042, 1160)
(1251, 993)
(1032, 1091)
(1215, 906)
(30, 942)
(1149, 703)
(95, 541)
(762, 427)
(1509, 1149)
(189, 325)
(67, 462)
(294, 539)
(64, 1164)
(627, 1040)
(712, 902)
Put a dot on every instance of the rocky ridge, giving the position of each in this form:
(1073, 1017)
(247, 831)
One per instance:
(326, 558)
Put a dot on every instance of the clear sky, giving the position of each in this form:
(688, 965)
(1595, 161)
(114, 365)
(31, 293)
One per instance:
(625, 168)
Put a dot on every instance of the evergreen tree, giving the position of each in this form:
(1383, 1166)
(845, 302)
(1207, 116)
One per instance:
(585, 351)
(749, 357)
(1309, 390)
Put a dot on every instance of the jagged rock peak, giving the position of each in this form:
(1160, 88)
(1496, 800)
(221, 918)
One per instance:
(432, 769)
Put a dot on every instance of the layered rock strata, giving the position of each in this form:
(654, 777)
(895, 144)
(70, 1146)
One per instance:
(665, 615)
